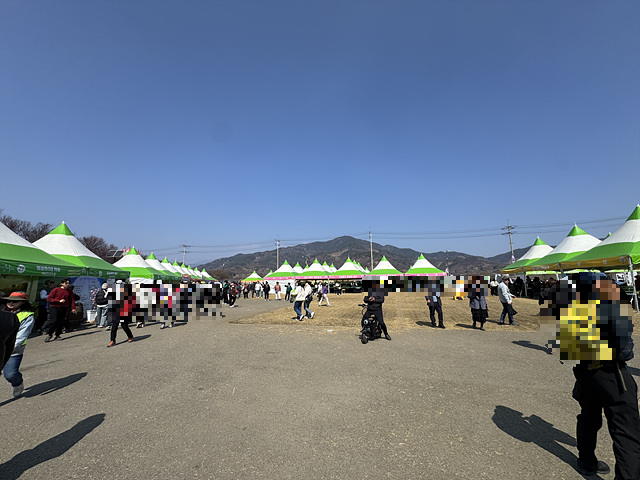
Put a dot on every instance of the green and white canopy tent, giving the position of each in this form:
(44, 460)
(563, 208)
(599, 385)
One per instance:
(179, 269)
(347, 271)
(254, 277)
(423, 267)
(327, 268)
(166, 265)
(140, 270)
(315, 272)
(61, 243)
(297, 268)
(621, 249)
(153, 262)
(207, 276)
(538, 250)
(284, 272)
(384, 268)
(575, 243)
(332, 268)
(20, 257)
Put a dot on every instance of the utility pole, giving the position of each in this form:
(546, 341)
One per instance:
(277, 254)
(509, 230)
(184, 252)
(371, 247)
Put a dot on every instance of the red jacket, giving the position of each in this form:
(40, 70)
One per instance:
(58, 294)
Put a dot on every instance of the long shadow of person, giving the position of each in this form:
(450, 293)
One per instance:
(528, 344)
(634, 371)
(47, 387)
(49, 449)
(535, 430)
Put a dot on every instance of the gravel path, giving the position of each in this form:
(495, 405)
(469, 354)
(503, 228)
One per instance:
(216, 400)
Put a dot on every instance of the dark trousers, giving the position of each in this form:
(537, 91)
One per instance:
(232, 300)
(124, 325)
(612, 389)
(432, 314)
(58, 315)
(43, 314)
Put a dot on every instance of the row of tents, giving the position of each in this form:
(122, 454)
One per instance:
(350, 270)
(60, 254)
(579, 251)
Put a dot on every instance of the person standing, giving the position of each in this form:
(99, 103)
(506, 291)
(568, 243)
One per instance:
(126, 304)
(266, 288)
(434, 302)
(603, 382)
(287, 292)
(18, 303)
(258, 289)
(9, 326)
(324, 292)
(506, 298)
(479, 307)
(43, 305)
(102, 304)
(277, 289)
(59, 300)
(232, 296)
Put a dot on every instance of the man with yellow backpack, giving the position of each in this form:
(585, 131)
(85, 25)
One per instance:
(593, 329)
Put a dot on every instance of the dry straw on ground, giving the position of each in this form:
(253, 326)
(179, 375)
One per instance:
(401, 311)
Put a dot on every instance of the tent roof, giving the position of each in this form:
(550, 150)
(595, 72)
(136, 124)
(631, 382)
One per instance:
(538, 250)
(347, 270)
(616, 249)
(423, 267)
(575, 243)
(154, 263)
(385, 268)
(254, 277)
(20, 257)
(135, 264)
(314, 271)
(61, 243)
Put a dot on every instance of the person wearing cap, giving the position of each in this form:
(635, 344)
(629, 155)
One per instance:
(603, 382)
(506, 298)
(18, 303)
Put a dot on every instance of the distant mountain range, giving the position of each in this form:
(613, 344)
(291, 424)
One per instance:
(337, 250)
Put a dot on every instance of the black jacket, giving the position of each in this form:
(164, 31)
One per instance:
(101, 298)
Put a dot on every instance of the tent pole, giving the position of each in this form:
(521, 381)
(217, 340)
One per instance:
(633, 282)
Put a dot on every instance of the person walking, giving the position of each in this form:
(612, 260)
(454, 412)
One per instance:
(59, 300)
(126, 304)
(506, 298)
(324, 292)
(18, 303)
(434, 302)
(299, 300)
(308, 292)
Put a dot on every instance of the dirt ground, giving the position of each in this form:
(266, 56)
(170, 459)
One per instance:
(402, 311)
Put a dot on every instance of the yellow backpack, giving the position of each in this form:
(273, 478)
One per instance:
(579, 334)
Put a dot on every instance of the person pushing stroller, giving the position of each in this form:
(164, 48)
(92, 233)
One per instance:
(374, 300)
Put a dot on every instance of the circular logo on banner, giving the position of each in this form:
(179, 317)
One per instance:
(21, 268)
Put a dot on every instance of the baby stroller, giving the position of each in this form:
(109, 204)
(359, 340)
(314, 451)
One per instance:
(370, 325)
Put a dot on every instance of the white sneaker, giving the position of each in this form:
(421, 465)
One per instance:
(17, 391)
(312, 314)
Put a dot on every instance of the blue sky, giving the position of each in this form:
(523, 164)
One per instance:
(229, 124)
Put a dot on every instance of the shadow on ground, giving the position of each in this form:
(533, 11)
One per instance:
(49, 449)
(528, 344)
(47, 387)
(534, 429)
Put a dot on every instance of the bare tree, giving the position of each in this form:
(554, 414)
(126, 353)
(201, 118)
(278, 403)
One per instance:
(98, 246)
(27, 230)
